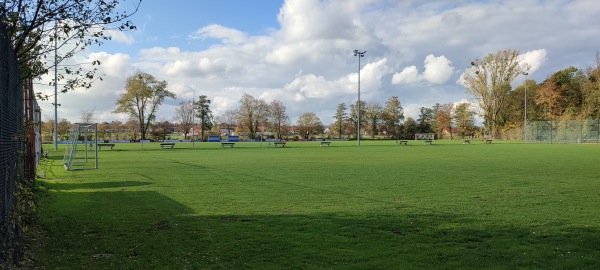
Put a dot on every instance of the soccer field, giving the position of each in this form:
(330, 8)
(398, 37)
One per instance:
(377, 206)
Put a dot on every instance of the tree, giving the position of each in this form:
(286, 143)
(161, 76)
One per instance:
(165, 128)
(464, 118)
(204, 113)
(561, 95)
(443, 119)
(392, 116)
(116, 128)
(278, 116)
(88, 116)
(103, 131)
(64, 126)
(47, 129)
(132, 126)
(251, 114)
(426, 120)
(40, 28)
(143, 96)
(373, 113)
(184, 114)
(591, 91)
(489, 81)
(354, 114)
(409, 128)
(340, 118)
(309, 124)
(228, 120)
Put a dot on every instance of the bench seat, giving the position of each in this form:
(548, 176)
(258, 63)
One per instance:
(325, 143)
(230, 144)
(163, 145)
(107, 145)
(282, 144)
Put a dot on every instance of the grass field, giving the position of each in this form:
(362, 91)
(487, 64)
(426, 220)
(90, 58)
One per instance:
(377, 206)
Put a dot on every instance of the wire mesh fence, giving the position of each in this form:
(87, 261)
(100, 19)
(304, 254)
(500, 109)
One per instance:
(563, 132)
(12, 147)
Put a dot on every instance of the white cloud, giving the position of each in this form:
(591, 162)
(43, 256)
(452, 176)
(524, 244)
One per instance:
(535, 59)
(414, 48)
(409, 75)
(120, 36)
(225, 34)
(114, 65)
(438, 70)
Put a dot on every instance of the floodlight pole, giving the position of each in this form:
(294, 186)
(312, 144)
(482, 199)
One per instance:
(359, 54)
(55, 135)
(525, 110)
(193, 119)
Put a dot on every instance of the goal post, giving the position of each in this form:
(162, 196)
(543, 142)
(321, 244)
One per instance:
(80, 137)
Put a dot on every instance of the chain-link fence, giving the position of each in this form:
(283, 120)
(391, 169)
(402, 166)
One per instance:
(565, 132)
(12, 148)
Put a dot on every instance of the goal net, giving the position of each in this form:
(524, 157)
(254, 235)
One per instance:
(82, 148)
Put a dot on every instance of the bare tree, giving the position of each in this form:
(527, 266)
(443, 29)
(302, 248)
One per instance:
(88, 116)
(278, 116)
(184, 114)
(251, 114)
(228, 120)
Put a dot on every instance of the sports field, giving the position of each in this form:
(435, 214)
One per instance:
(377, 206)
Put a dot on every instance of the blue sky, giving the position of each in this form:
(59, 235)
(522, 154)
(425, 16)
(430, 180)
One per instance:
(300, 51)
(169, 23)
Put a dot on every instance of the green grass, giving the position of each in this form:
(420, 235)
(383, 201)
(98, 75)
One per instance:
(377, 206)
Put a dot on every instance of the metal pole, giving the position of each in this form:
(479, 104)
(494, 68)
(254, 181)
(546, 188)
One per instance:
(96, 143)
(358, 107)
(193, 119)
(359, 54)
(525, 106)
(55, 89)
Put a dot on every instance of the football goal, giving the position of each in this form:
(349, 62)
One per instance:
(82, 151)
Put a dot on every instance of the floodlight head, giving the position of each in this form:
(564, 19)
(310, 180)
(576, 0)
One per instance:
(525, 73)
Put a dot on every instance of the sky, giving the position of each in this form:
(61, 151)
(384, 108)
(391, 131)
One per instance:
(301, 51)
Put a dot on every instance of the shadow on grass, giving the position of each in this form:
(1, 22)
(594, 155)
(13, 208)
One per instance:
(144, 229)
(94, 185)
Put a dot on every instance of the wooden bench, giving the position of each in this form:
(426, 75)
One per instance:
(106, 144)
(402, 142)
(325, 143)
(230, 144)
(488, 141)
(163, 145)
(428, 141)
(467, 142)
(282, 144)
